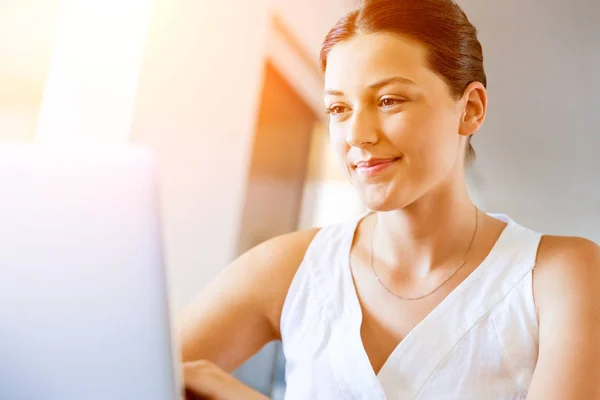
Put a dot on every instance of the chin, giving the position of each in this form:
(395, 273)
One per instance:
(385, 202)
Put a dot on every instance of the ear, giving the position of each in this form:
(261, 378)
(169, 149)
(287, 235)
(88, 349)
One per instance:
(474, 104)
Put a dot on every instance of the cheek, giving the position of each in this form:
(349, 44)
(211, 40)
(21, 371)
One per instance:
(421, 134)
(429, 142)
(408, 132)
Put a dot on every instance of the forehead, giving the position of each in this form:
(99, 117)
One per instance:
(365, 58)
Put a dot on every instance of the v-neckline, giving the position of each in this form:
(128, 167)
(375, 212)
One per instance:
(435, 314)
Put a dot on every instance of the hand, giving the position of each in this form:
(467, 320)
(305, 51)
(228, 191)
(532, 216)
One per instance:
(204, 379)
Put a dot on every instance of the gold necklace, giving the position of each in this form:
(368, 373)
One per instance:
(441, 284)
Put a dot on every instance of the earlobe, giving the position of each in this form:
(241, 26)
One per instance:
(475, 101)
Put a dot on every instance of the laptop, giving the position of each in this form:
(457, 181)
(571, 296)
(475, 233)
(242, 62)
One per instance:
(83, 295)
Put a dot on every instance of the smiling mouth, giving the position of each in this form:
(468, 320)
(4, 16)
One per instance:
(374, 167)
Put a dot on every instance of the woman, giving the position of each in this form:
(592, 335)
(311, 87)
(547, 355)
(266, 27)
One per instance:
(425, 297)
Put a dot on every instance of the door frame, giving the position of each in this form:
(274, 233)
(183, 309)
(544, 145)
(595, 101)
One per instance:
(289, 55)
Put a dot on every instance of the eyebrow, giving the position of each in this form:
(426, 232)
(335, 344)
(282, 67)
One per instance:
(376, 85)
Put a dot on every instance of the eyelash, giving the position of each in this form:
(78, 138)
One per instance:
(330, 110)
(395, 100)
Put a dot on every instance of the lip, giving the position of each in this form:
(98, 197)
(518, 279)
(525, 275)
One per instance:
(374, 165)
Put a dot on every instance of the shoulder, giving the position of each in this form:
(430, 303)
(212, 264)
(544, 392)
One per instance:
(567, 248)
(284, 250)
(567, 272)
(567, 257)
(566, 288)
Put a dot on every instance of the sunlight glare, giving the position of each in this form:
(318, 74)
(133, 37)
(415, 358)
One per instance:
(94, 72)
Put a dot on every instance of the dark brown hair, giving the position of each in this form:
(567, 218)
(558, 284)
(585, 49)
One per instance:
(454, 52)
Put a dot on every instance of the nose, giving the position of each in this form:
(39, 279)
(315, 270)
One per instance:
(362, 129)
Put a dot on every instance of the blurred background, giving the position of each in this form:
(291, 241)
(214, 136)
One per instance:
(228, 95)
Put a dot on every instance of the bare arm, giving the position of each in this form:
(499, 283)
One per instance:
(239, 311)
(567, 292)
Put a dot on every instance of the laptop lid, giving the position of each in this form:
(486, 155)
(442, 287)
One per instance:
(83, 295)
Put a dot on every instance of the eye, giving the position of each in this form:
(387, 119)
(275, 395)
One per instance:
(388, 102)
(336, 110)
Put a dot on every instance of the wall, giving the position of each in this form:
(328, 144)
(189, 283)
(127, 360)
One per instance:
(537, 151)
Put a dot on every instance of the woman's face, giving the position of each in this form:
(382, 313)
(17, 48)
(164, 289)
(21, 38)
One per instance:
(394, 124)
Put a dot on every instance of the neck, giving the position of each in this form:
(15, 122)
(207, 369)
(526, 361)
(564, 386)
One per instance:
(432, 233)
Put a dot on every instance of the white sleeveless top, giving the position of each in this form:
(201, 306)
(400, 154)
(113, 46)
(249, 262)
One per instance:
(479, 343)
